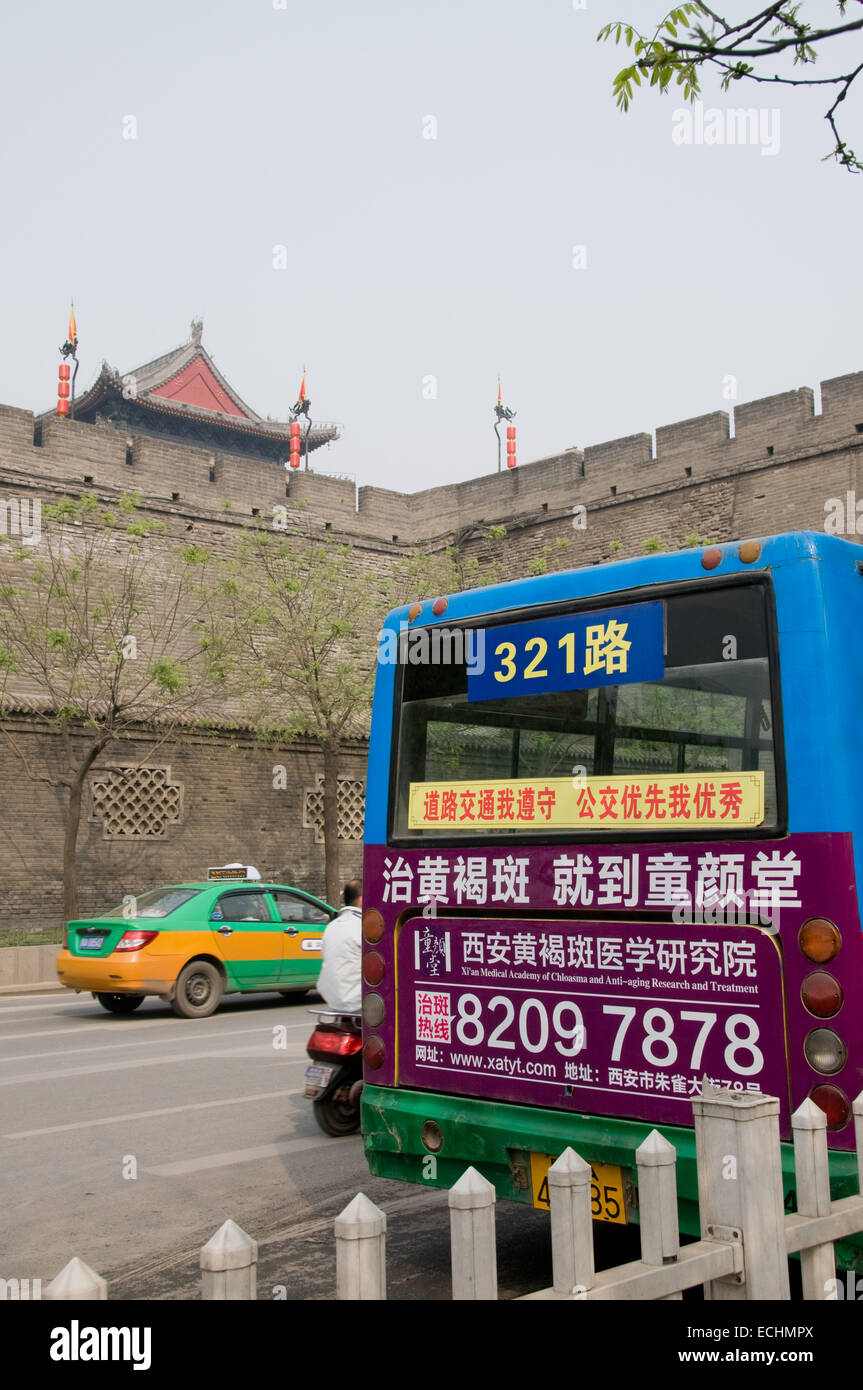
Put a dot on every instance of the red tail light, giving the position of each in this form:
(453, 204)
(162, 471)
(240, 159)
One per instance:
(334, 1043)
(834, 1103)
(134, 940)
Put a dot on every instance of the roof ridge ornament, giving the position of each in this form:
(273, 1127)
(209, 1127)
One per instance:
(197, 328)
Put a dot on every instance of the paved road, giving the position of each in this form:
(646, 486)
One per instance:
(210, 1116)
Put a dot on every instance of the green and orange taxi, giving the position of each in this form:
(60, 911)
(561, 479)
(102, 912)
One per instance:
(192, 943)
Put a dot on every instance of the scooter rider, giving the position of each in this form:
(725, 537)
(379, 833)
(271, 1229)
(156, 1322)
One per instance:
(339, 980)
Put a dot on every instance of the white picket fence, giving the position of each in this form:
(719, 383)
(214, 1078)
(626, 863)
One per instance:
(746, 1237)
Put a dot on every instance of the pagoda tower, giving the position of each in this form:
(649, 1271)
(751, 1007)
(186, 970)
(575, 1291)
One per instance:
(183, 397)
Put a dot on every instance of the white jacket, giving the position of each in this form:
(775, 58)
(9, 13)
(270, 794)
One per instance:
(339, 980)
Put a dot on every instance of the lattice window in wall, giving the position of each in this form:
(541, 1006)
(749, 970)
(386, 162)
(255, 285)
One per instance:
(136, 802)
(352, 809)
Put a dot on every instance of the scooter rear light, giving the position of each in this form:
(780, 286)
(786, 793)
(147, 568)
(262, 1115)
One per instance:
(333, 1043)
(134, 940)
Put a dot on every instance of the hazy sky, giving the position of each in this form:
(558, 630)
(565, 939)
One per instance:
(407, 258)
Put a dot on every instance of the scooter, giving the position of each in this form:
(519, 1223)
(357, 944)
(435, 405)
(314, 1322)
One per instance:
(334, 1081)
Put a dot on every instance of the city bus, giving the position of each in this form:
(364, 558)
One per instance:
(613, 839)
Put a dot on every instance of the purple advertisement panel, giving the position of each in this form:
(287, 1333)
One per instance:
(581, 911)
(611, 1018)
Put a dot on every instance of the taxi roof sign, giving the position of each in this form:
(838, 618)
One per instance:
(233, 872)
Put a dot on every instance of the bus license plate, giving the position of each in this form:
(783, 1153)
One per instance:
(607, 1202)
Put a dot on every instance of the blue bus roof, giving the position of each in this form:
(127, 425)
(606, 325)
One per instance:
(615, 576)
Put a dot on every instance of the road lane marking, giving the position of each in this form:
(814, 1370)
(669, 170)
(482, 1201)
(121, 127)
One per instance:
(152, 1025)
(139, 1042)
(226, 1160)
(6, 1007)
(66, 1074)
(149, 1114)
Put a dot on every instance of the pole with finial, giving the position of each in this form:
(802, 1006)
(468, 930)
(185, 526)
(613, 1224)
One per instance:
(65, 406)
(501, 412)
(302, 406)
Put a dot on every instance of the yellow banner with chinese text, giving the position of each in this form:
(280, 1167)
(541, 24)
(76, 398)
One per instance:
(720, 800)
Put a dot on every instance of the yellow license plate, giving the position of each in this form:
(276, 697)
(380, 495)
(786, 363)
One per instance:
(607, 1201)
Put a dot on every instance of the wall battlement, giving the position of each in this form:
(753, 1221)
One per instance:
(766, 432)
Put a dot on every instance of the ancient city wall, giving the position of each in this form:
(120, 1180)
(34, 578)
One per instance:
(768, 435)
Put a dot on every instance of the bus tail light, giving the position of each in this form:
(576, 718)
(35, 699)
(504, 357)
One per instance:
(819, 940)
(373, 926)
(373, 967)
(834, 1103)
(134, 940)
(374, 1010)
(821, 994)
(374, 1053)
(825, 1051)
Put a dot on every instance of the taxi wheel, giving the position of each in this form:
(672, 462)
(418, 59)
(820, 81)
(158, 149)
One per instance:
(120, 1003)
(199, 990)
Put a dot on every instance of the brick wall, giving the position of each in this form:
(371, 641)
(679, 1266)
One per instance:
(230, 811)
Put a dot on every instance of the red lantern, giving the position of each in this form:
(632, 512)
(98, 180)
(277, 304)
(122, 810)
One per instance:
(295, 444)
(64, 371)
(510, 431)
(62, 407)
(510, 463)
(63, 389)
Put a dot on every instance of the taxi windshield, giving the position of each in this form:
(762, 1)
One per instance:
(159, 902)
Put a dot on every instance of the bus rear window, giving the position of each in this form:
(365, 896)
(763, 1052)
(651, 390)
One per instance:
(710, 712)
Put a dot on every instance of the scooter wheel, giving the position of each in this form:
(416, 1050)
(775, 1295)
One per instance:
(337, 1117)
